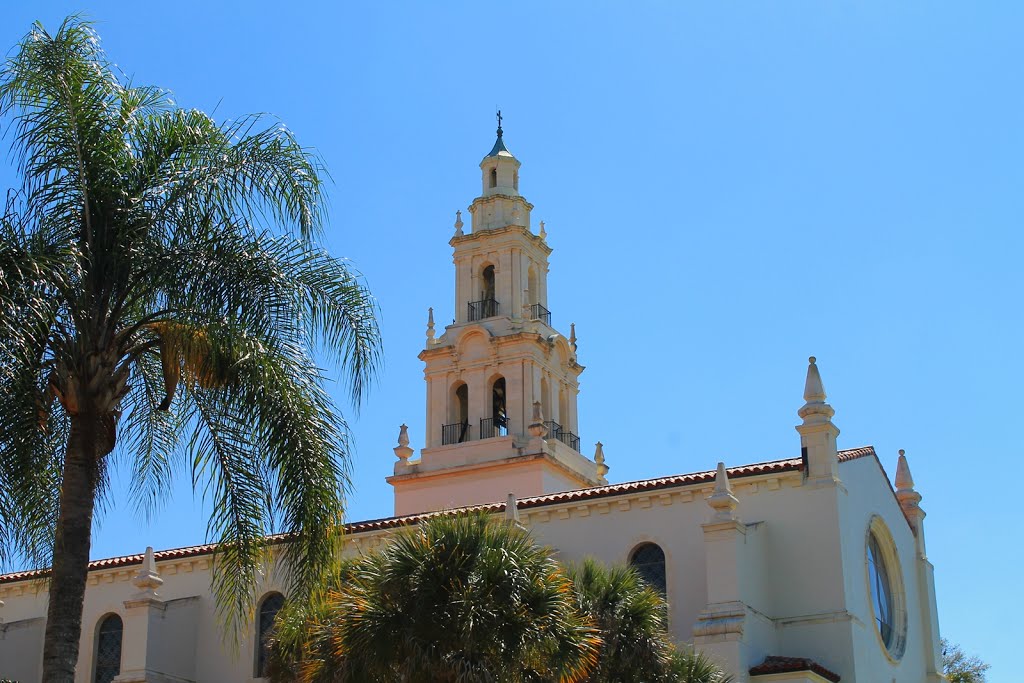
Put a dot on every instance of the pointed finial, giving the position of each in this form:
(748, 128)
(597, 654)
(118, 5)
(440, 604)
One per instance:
(148, 580)
(458, 224)
(908, 498)
(499, 123)
(543, 232)
(722, 501)
(602, 468)
(815, 410)
(512, 508)
(814, 390)
(537, 427)
(572, 335)
(402, 450)
(430, 325)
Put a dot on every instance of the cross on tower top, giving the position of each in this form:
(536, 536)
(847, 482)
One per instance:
(499, 123)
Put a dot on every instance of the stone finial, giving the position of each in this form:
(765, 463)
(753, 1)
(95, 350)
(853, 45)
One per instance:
(537, 427)
(602, 468)
(572, 335)
(905, 493)
(815, 410)
(402, 450)
(543, 233)
(512, 509)
(430, 325)
(721, 500)
(458, 224)
(148, 580)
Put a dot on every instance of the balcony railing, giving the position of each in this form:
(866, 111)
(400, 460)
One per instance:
(485, 308)
(491, 427)
(556, 431)
(570, 440)
(454, 433)
(538, 312)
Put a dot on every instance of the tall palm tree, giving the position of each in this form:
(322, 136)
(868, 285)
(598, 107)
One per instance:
(161, 294)
(460, 598)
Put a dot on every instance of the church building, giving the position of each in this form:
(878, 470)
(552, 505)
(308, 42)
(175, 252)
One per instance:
(805, 569)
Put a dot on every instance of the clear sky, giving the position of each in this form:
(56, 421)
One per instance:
(729, 187)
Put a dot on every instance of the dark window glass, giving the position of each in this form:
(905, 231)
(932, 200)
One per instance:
(269, 608)
(649, 560)
(108, 649)
(881, 592)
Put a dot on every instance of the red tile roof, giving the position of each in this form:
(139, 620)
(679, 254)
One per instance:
(785, 665)
(762, 468)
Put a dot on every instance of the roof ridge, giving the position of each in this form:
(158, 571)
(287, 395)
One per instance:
(636, 486)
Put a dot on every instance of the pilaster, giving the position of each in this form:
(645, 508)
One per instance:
(720, 627)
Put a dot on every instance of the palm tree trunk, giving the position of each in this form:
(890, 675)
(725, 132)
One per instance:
(71, 552)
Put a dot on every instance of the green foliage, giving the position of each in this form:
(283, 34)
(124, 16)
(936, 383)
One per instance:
(470, 598)
(162, 283)
(961, 668)
(459, 598)
(630, 617)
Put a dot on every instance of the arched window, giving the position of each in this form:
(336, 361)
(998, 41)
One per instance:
(108, 649)
(488, 278)
(457, 429)
(269, 608)
(494, 177)
(499, 412)
(649, 561)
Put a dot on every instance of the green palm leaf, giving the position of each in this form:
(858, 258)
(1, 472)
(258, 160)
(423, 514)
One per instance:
(162, 300)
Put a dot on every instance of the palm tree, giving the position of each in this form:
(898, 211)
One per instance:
(630, 617)
(691, 666)
(459, 598)
(162, 293)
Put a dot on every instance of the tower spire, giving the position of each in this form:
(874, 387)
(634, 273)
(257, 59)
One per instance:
(817, 433)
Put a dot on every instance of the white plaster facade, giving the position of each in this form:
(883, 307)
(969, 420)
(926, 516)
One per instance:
(763, 560)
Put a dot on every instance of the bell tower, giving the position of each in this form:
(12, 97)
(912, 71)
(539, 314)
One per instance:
(501, 381)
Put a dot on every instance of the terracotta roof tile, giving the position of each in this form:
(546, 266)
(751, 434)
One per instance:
(761, 468)
(784, 665)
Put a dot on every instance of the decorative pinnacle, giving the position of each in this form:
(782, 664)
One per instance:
(722, 501)
(458, 224)
(905, 493)
(512, 508)
(543, 232)
(602, 468)
(148, 580)
(815, 410)
(572, 335)
(402, 450)
(537, 428)
(430, 325)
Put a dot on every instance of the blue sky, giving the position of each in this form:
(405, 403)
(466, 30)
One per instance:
(729, 187)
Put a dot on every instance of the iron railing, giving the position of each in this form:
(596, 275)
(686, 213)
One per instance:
(491, 427)
(569, 439)
(538, 312)
(454, 433)
(556, 431)
(485, 308)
